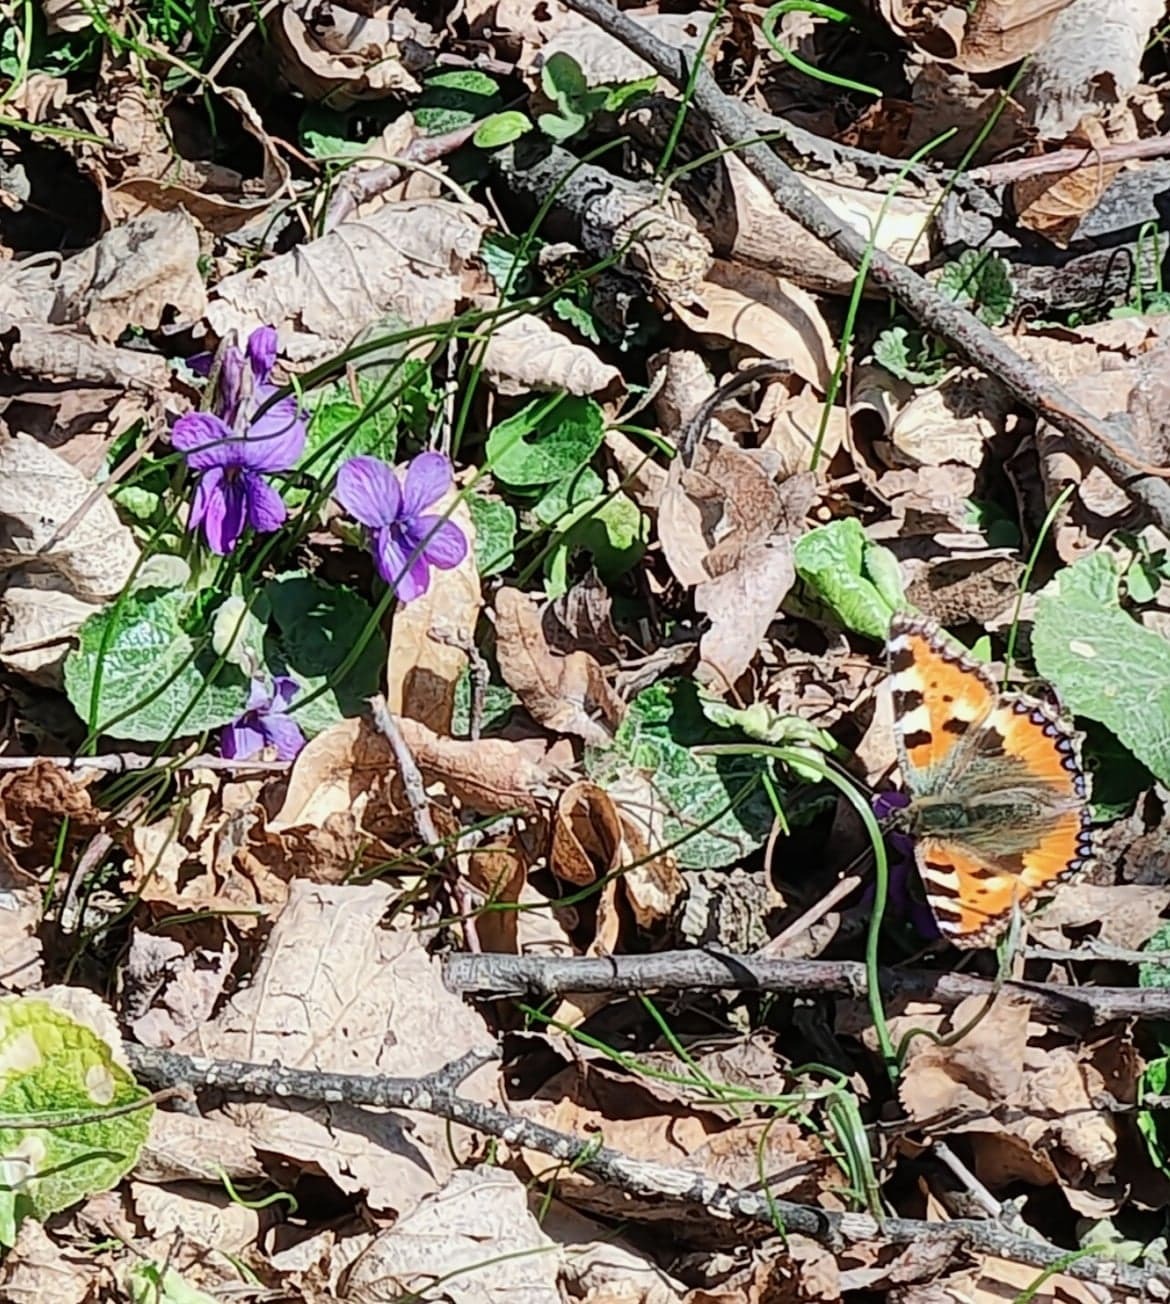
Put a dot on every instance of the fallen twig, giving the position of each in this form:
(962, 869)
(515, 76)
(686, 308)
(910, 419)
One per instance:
(708, 970)
(435, 1094)
(1107, 444)
(1070, 160)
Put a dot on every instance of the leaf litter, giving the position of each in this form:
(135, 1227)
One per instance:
(622, 625)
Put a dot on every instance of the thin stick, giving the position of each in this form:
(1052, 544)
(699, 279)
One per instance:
(774, 949)
(1070, 160)
(123, 762)
(420, 807)
(710, 970)
(1108, 444)
(433, 1094)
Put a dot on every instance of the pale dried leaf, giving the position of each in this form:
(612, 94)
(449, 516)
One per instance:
(381, 997)
(980, 39)
(430, 634)
(191, 1147)
(950, 423)
(128, 278)
(603, 58)
(478, 1226)
(1054, 203)
(587, 835)
(563, 693)
(39, 492)
(1089, 63)
(524, 353)
(20, 943)
(203, 1216)
(36, 1270)
(38, 618)
(405, 263)
(773, 317)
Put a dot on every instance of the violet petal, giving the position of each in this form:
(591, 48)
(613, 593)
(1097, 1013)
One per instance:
(444, 543)
(283, 733)
(266, 509)
(284, 689)
(208, 488)
(368, 490)
(241, 740)
(227, 511)
(428, 477)
(276, 438)
(262, 346)
(206, 441)
(391, 561)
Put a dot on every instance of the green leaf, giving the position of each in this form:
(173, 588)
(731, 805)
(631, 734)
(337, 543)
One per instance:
(498, 702)
(1156, 975)
(619, 96)
(560, 126)
(1154, 1124)
(150, 1283)
(611, 528)
(546, 441)
(835, 562)
(56, 1067)
(908, 356)
(509, 266)
(562, 80)
(662, 727)
(981, 281)
(501, 129)
(136, 658)
(578, 490)
(578, 316)
(1105, 665)
(317, 627)
(451, 100)
(495, 533)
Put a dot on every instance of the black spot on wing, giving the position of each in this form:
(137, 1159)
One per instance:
(956, 726)
(991, 743)
(939, 887)
(907, 700)
(918, 738)
(901, 659)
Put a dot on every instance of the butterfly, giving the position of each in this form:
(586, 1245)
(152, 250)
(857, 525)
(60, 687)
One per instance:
(998, 794)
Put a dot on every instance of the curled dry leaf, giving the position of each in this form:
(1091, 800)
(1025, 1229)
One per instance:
(344, 54)
(384, 997)
(564, 693)
(1054, 203)
(976, 39)
(771, 316)
(405, 263)
(525, 353)
(586, 835)
(37, 1268)
(201, 1219)
(726, 527)
(430, 634)
(952, 422)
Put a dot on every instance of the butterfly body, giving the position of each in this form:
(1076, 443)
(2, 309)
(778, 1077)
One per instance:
(997, 790)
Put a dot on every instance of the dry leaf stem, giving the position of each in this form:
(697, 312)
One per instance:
(435, 1094)
(1105, 444)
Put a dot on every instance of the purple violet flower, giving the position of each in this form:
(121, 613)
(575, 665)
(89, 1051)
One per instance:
(232, 446)
(900, 845)
(405, 541)
(264, 723)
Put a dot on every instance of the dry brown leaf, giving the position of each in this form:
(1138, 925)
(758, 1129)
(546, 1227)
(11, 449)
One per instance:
(586, 835)
(1054, 203)
(405, 263)
(190, 1147)
(170, 990)
(382, 998)
(564, 693)
(430, 635)
(992, 35)
(524, 353)
(603, 58)
(499, 873)
(1126, 915)
(39, 492)
(128, 278)
(952, 422)
(773, 317)
(345, 54)
(37, 1269)
(1088, 64)
(479, 1227)
(201, 1216)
